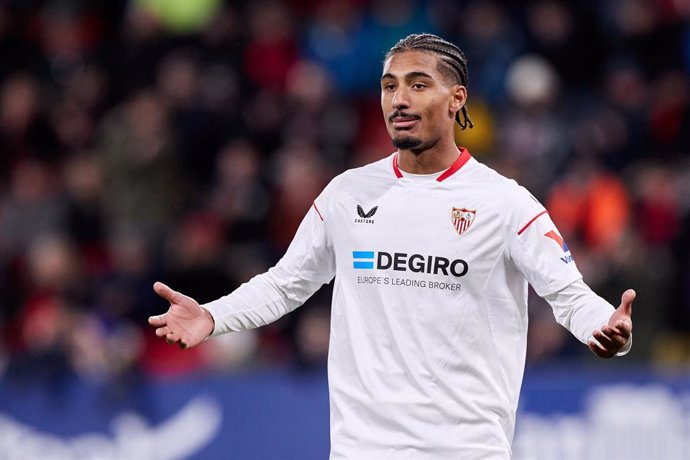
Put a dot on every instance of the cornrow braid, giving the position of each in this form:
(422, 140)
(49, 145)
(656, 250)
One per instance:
(452, 63)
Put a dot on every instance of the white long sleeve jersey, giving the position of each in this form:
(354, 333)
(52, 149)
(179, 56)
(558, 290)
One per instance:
(429, 312)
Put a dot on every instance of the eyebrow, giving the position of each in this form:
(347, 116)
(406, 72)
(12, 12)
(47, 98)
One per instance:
(408, 76)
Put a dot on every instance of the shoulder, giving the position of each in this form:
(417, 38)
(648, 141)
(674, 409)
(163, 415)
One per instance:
(498, 188)
(512, 201)
(368, 175)
(380, 169)
(360, 180)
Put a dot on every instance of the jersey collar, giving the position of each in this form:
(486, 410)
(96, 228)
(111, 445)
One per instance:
(463, 158)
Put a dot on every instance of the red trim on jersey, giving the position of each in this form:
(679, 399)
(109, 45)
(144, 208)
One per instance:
(463, 158)
(396, 170)
(317, 210)
(530, 222)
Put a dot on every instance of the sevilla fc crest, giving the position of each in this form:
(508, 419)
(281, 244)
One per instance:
(462, 219)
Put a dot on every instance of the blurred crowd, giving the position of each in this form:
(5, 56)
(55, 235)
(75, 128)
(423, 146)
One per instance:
(184, 141)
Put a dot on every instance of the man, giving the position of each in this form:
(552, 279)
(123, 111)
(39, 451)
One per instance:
(431, 253)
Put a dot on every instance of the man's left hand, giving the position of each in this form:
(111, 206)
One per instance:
(613, 337)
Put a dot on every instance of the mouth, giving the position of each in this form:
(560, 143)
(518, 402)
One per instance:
(403, 121)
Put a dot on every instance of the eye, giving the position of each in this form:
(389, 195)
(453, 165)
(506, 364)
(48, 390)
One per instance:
(418, 86)
(389, 87)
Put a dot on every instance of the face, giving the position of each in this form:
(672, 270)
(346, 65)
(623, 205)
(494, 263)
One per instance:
(419, 103)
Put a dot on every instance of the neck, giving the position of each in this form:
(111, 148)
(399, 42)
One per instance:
(435, 159)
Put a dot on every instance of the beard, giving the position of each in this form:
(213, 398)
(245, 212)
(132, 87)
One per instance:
(407, 143)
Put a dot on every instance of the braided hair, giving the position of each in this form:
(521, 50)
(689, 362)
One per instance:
(452, 62)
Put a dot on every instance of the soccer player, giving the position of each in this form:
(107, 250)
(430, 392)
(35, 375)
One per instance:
(431, 253)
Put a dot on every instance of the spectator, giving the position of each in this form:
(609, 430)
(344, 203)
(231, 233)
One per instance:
(116, 120)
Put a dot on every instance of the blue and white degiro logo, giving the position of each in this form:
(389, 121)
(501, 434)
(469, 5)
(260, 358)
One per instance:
(401, 261)
(363, 259)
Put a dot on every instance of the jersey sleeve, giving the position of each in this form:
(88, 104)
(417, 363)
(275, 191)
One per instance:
(308, 264)
(536, 247)
(581, 311)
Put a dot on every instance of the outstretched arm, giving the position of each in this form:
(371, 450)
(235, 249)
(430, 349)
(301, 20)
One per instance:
(185, 323)
(540, 253)
(308, 264)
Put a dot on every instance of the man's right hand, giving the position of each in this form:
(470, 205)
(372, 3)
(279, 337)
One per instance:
(185, 323)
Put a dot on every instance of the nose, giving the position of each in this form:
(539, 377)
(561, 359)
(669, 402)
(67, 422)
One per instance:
(401, 99)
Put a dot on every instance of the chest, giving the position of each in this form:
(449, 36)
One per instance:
(434, 233)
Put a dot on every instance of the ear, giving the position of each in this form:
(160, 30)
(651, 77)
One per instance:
(458, 97)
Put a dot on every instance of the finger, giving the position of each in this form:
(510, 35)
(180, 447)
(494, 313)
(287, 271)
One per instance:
(169, 294)
(608, 330)
(627, 301)
(162, 331)
(605, 341)
(171, 338)
(612, 332)
(158, 321)
(621, 329)
(164, 291)
(610, 339)
(624, 327)
(598, 350)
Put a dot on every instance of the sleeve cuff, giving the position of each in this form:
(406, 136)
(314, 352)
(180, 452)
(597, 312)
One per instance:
(626, 348)
(209, 308)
